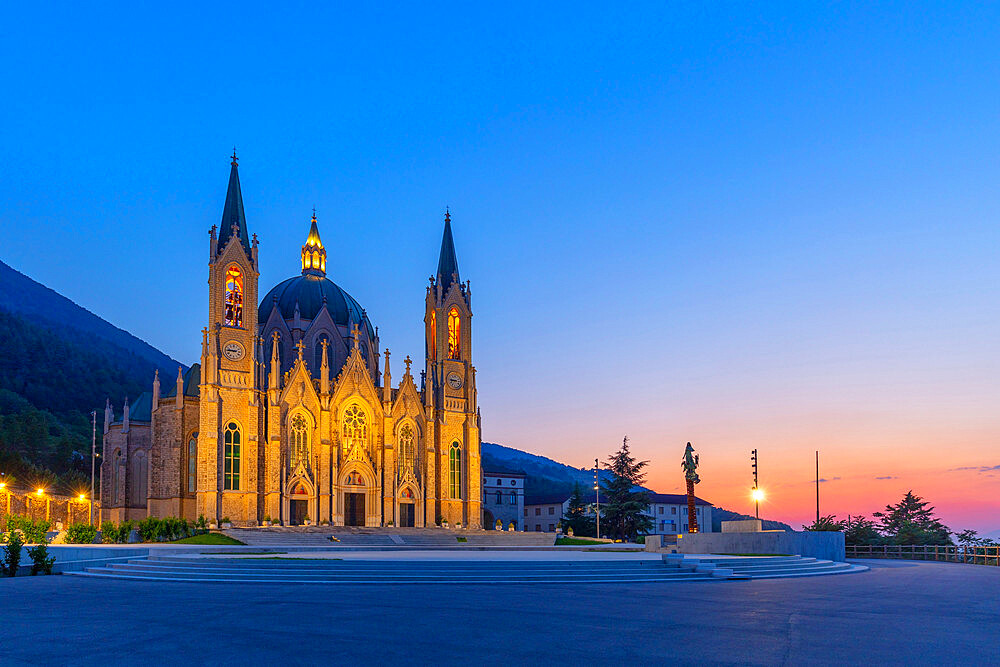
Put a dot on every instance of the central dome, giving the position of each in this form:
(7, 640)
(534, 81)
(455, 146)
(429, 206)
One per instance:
(312, 293)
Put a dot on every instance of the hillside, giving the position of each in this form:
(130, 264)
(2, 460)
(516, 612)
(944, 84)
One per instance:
(545, 476)
(59, 362)
(45, 307)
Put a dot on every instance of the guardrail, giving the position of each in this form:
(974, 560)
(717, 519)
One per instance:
(950, 554)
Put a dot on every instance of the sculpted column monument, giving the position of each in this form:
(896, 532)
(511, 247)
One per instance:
(690, 466)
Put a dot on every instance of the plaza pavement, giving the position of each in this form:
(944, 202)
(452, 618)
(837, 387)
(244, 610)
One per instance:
(898, 613)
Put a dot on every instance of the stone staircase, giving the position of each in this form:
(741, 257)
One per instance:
(319, 536)
(289, 571)
(668, 569)
(759, 567)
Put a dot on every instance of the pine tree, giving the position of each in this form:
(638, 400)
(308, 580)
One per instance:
(576, 515)
(911, 521)
(625, 505)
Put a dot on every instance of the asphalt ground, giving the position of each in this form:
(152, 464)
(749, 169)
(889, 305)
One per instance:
(901, 612)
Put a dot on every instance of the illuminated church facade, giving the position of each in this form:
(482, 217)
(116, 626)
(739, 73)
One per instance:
(292, 415)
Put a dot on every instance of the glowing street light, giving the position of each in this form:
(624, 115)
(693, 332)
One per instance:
(757, 495)
(40, 492)
(82, 498)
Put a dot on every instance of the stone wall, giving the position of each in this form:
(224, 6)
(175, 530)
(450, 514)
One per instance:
(825, 545)
(57, 509)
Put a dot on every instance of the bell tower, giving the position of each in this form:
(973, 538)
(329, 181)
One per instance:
(450, 389)
(231, 408)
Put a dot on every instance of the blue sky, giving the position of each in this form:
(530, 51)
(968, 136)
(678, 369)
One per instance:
(742, 226)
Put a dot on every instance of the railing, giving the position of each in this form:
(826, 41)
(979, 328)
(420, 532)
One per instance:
(950, 554)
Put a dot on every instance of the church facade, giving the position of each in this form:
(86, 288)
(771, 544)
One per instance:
(291, 414)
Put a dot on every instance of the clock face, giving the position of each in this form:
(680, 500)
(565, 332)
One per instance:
(233, 350)
(455, 380)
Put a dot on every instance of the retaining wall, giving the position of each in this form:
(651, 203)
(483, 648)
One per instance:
(819, 544)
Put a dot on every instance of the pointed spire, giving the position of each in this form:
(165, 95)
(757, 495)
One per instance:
(233, 219)
(447, 262)
(313, 253)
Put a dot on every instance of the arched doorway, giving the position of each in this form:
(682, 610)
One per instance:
(407, 509)
(298, 504)
(354, 499)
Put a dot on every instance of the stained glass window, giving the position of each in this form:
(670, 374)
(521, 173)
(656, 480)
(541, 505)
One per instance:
(454, 334)
(300, 440)
(456, 471)
(234, 297)
(231, 455)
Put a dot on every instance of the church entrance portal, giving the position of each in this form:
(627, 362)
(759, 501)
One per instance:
(299, 510)
(407, 515)
(354, 506)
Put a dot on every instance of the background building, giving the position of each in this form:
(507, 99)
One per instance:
(668, 511)
(503, 498)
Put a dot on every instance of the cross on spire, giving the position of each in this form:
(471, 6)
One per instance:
(235, 159)
(407, 361)
(300, 345)
(356, 332)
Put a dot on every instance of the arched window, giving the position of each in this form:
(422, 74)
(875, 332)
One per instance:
(456, 471)
(433, 342)
(355, 427)
(231, 457)
(116, 462)
(407, 452)
(454, 334)
(192, 468)
(140, 480)
(234, 297)
(299, 440)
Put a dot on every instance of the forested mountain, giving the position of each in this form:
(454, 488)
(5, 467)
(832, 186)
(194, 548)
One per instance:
(58, 362)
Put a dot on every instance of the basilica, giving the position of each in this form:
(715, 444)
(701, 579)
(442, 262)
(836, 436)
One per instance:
(291, 415)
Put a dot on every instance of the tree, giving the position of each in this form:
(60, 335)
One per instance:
(827, 523)
(911, 521)
(861, 531)
(576, 516)
(625, 504)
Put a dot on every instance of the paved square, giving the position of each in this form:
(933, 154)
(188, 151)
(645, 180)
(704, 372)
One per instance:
(898, 613)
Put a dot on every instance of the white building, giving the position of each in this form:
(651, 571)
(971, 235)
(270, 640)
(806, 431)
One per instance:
(668, 511)
(503, 498)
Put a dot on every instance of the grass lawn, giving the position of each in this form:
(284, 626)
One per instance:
(208, 538)
(462, 539)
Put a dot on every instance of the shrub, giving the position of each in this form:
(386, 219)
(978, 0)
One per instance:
(33, 531)
(40, 559)
(80, 533)
(268, 518)
(111, 534)
(149, 529)
(225, 519)
(202, 523)
(12, 554)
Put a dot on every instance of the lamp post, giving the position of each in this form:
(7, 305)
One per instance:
(597, 491)
(93, 456)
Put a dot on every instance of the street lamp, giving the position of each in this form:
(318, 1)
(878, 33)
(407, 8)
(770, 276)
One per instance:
(597, 491)
(757, 495)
